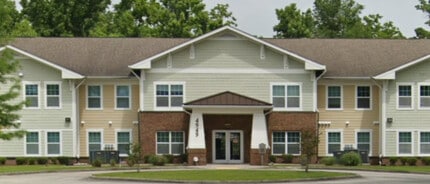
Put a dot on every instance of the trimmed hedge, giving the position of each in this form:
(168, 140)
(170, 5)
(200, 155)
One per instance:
(350, 159)
(21, 161)
(328, 161)
(158, 160)
(2, 160)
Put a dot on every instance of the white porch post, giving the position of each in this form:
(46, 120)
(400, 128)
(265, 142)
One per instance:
(259, 130)
(196, 135)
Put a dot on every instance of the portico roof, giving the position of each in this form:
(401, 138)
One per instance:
(229, 99)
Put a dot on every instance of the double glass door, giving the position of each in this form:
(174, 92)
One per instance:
(227, 146)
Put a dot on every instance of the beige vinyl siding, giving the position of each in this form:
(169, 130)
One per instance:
(98, 119)
(358, 119)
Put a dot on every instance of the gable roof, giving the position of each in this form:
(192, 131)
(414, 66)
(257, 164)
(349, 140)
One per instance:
(227, 98)
(356, 58)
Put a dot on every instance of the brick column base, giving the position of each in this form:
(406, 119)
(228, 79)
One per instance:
(199, 153)
(255, 157)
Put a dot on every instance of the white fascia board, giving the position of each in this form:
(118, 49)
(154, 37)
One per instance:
(309, 65)
(227, 106)
(65, 73)
(391, 74)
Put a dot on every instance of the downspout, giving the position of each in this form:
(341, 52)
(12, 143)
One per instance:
(316, 107)
(383, 104)
(77, 124)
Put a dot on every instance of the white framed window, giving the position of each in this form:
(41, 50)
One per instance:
(333, 141)
(286, 143)
(363, 98)
(334, 98)
(169, 95)
(53, 143)
(53, 95)
(94, 97)
(404, 143)
(424, 96)
(405, 96)
(424, 143)
(122, 97)
(94, 140)
(32, 143)
(363, 140)
(286, 96)
(31, 95)
(170, 143)
(123, 141)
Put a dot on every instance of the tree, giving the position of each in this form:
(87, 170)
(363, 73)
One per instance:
(424, 6)
(309, 144)
(371, 27)
(135, 156)
(293, 23)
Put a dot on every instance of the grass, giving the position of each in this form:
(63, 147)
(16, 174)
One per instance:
(407, 169)
(224, 175)
(52, 168)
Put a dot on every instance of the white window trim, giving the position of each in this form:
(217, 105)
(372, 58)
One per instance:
(60, 142)
(286, 143)
(101, 97)
(419, 143)
(170, 142)
(419, 95)
(129, 97)
(59, 94)
(169, 83)
(88, 138)
(412, 142)
(286, 84)
(38, 93)
(116, 139)
(412, 95)
(370, 131)
(341, 98)
(326, 140)
(39, 143)
(370, 98)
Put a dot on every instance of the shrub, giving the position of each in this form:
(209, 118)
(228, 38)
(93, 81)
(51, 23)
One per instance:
(169, 158)
(42, 161)
(425, 160)
(112, 162)
(393, 160)
(21, 161)
(403, 160)
(328, 161)
(97, 163)
(272, 158)
(31, 161)
(184, 157)
(412, 161)
(53, 160)
(64, 160)
(288, 158)
(350, 159)
(157, 160)
(2, 160)
(130, 162)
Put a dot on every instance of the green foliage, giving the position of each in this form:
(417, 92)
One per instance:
(157, 160)
(393, 160)
(21, 161)
(293, 23)
(112, 162)
(350, 159)
(425, 160)
(272, 158)
(135, 156)
(130, 162)
(184, 157)
(328, 161)
(412, 161)
(308, 143)
(2, 160)
(169, 158)
(97, 163)
(424, 6)
(403, 160)
(288, 158)
(53, 160)
(64, 160)
(32, 161)
(42, 161)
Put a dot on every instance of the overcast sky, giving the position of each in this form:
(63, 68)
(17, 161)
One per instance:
(258, 17)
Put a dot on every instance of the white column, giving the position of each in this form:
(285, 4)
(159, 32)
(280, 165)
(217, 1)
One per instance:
(259, 130)
(196, 135)
(141, 90)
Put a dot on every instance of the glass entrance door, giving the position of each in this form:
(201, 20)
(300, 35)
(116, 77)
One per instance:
(227, 146)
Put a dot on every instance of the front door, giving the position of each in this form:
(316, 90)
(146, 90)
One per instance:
(227, 146)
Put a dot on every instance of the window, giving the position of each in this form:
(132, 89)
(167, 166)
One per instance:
(32, 143)
(94, 141)
(286, 142)
(334, 97)
(123, 142)
(404, 94)
(94, 94)
(333, 142)
(123, 97)
(170, 143)
(32, 95)
(53, 95)
(53, 143)
(405, 143)
(425, 96)
(364, 141)
(425, 143)
(286, 96)
(169, 95)
(363, 97)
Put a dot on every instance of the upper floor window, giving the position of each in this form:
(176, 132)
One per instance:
(287, 96)
(404, 96)
(53, 95)
(286, 142)
(424, 96)
(169, 95)
(334, 97)
(123, 97)
(31, 92)
(363, 97)
(94, 95)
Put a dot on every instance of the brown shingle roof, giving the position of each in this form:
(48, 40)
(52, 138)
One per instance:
(356, 57)
(95, 56)
(228, 98)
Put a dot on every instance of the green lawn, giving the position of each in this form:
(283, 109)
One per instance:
(224, 175)
(411, 169)
(52, 168)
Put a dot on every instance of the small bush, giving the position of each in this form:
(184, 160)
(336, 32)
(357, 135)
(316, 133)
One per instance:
(425, 160)
(112, 162)
(42, 161)
(393, 160)
(404, 160)
(31, 161)
(169, 158)
(97, 163)
(328, 161)
(64, 160)
(350, 159)
(184, 157)
(412, 161)
(157, 160)
(2, 160)
(272, 158)
(21, 161)
(288, 158)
